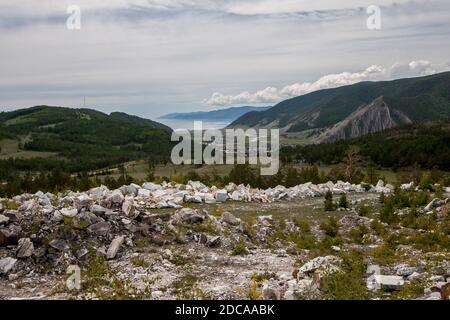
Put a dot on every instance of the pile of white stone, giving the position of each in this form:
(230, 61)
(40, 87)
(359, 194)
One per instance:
(172, 195)
(134, 198)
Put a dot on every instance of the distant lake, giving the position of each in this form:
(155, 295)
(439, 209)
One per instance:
(189, 124)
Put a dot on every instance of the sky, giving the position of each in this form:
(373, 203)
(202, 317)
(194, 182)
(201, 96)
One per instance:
(152, 57)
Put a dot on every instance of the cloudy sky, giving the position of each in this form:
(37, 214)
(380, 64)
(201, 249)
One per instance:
(151, 57)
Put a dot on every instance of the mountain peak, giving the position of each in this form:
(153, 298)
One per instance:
(364, 107)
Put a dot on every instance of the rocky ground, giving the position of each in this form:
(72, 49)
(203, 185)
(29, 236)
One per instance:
(194, 242)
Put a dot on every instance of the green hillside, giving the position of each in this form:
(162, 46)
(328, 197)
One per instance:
(421, 99)
(138, 120)
(78, 139)
(424, 145)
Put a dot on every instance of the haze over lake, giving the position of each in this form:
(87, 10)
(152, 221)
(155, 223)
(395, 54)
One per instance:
(189, 124)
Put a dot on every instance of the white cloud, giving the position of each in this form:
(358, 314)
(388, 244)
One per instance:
(372, 73)
(238, 7)
(254, 7)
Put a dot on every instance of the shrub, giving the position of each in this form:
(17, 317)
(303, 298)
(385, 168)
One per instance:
(347, 284)
(377, 227)
(387, 213)
(384, 254)
(239, 249)
(382, 198)
(343, 203)
(411, 290)
(330, 227)
(357, 234)
(364, 211)
(329, 205)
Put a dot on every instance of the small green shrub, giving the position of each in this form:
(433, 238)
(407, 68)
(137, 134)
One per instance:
(364, 211)
(330, 227)
(343, 203)
(347, 284)
(328, 204)
(239, 249)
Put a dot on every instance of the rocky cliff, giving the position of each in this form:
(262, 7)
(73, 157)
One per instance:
(369, 118)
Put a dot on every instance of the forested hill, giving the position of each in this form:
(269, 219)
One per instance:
(79, 139)
(357, 106)
(138, 120)
(425, 145)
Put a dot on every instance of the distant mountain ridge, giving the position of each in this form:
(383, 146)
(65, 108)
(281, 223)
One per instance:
(358, 109)
(228, 114)
(138, 120)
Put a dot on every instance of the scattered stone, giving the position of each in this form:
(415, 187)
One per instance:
(3, 219)
(236, 196)
(209, 198)
(213, 242)
(99, 229)
(190, 216)
(114, 247)
(221, 195)
(80, 253)
(128, 207)
(435, 203)
(230, 219)
(385, 282)
(271, 290)
(200, 238)
(320, 266)
(167, 254)
(404, 270)
(415, 276)
(25, 248)
(8, 237)
(434, 296)
(59, 245)
(99, 210)
(6, 265)
(66, 212)
(157, 294)
(84, 202)
(115, 199)
(14, 216)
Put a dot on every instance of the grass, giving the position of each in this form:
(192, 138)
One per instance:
(139, 262)
(181, 260)
(9, 148)
(139, 170)
(239, 249)
(102, 281)
(10, 204)
(410, 290)
(303, 239)
(252, 292)
(384, 254)
(348, 283)
(186, 287)
(261, 277)
(205, 227)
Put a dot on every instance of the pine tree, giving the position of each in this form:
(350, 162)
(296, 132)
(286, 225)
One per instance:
(343, 203)
(329, 205)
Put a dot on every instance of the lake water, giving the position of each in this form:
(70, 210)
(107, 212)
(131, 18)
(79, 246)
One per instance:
(189, 124)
